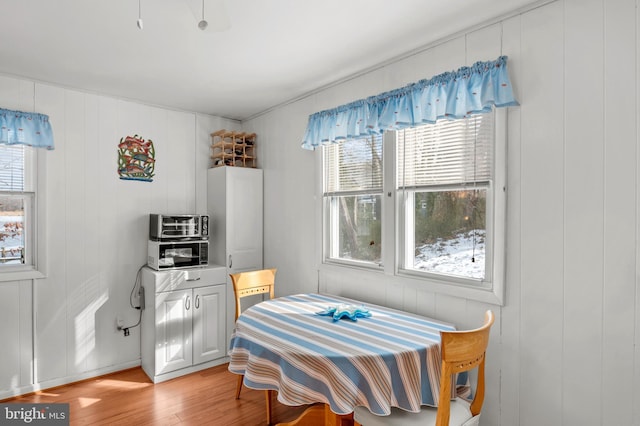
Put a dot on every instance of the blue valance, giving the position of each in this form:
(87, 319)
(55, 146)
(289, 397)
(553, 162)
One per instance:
(455, 94)
(27, 128)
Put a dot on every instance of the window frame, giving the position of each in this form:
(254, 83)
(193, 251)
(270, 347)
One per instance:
(464, 181)
(330, 239)
(35, 265)
(406, 223)
(390, 273)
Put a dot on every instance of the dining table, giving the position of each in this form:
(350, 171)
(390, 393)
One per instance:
(335, 353)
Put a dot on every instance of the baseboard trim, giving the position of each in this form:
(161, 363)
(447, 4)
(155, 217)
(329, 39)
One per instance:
(183, 371)
(61, 381)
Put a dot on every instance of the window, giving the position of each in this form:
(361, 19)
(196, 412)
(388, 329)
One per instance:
(17, 202)
(444, 180)
(428, 203)
(353, 200)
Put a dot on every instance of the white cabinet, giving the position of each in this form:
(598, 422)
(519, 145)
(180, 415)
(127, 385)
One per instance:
(184, 321)
(235, 209)
(209, 323)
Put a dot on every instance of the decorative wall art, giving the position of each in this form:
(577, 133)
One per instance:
(136, 159)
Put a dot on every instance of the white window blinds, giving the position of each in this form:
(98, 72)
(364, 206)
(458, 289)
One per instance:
(448, 152)
(12, 164)
(353, 166)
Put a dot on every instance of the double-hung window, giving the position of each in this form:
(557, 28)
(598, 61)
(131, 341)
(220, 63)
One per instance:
(444, 181)
(445, 211)
(353, 200)
(17, 208)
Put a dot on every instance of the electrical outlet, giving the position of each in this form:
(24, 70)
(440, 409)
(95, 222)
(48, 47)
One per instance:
(119, 321)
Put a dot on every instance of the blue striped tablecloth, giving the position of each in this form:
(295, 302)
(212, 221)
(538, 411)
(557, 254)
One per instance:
(391, 359)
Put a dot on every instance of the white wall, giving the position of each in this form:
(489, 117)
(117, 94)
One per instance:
(563, 348)
(97, 230)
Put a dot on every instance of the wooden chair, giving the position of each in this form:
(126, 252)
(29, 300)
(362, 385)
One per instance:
(461, 351)
(248, 284)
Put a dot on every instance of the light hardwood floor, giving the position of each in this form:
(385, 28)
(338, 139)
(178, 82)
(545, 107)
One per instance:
(129, 398)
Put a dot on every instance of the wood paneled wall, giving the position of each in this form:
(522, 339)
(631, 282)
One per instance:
(97, 231)
(563, 350)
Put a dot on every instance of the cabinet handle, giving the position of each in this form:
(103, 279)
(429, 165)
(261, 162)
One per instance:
(187, 303)
(197, 304)
(230, 262)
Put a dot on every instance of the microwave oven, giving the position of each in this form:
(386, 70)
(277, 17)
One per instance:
(177, 254)
(172, 227)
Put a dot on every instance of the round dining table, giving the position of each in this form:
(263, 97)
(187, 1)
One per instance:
(341, 353)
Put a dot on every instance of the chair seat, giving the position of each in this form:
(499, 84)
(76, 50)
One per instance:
(460, 416)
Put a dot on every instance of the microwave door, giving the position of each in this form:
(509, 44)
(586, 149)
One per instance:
(181, 256)
(166, 255)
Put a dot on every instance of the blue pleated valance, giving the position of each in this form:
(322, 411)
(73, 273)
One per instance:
(26, 128)
(452, 95)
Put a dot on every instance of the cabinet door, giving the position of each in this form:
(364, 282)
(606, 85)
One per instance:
(173, 330)
(244, 219)
(209, 339)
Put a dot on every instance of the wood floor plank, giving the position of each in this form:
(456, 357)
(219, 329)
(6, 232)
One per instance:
(129, 398)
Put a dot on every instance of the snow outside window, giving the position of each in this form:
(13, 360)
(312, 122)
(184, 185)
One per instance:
(444, 181)
(425, 203)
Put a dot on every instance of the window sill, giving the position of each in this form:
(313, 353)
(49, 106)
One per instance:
(481, 293)
(26, 274)
(358, 279)
(369, 266)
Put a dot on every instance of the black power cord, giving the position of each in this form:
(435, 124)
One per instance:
(136, 285)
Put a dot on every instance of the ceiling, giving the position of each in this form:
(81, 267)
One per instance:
(273, 51)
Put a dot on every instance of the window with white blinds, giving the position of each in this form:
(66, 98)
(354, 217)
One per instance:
(427, 204)
(12, 168)
(448, 152)
(17, 215)
(352, 194)
(353, 166)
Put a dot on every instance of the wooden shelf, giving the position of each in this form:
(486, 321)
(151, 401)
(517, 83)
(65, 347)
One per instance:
(231, 148)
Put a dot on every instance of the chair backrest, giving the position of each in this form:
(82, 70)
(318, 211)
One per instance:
(253, 282)
(463, 351)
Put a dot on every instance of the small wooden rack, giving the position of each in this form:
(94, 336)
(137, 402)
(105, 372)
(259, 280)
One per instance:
(231, 148)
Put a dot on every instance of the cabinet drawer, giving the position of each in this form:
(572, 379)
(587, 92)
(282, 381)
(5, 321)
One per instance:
(178, 279)
(207, 276)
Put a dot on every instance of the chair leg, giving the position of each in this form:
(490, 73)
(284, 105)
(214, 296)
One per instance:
(239, 386)
(268, 395)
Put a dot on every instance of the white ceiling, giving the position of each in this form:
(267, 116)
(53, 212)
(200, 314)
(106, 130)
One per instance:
(274, 50)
